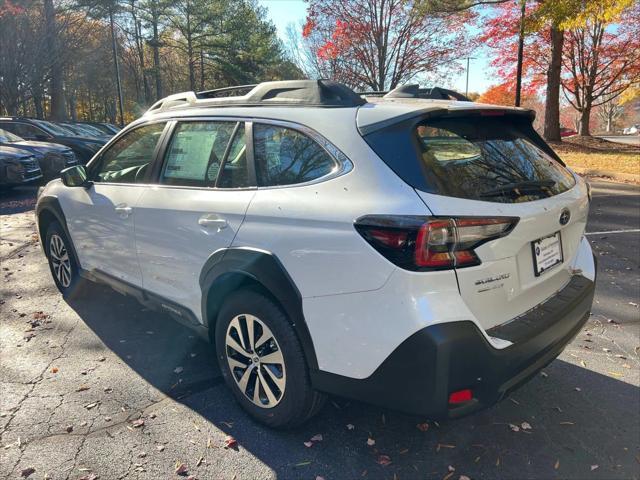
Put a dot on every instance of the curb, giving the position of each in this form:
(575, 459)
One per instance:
(608, 174)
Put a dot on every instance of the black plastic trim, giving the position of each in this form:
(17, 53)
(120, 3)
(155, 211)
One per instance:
(52, 205)
(227, 269)
(419, 375)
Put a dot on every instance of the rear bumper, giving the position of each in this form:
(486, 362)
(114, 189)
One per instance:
(419, 375)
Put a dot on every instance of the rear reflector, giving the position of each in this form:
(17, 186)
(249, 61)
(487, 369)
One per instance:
(431, 243)
(461, 396)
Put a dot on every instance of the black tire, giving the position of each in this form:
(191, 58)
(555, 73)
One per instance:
(298, 401)
(66, 274)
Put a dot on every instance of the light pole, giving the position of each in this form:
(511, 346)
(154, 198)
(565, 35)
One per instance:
(115, 61)
(466, 89)
(523, 6)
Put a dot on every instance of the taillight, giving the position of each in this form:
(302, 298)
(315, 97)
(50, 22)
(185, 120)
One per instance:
(431, 243)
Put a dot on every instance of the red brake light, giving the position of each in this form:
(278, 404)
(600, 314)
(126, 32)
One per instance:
(461, 396)
(423, 243)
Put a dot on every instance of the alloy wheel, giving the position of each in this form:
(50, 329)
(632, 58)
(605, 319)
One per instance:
(255, 360)
(60, 260)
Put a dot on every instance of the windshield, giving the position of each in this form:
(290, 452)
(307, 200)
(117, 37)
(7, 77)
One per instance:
(8, 137)
(53, 129)
(495, 159)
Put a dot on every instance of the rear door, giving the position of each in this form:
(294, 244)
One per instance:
(202, 193)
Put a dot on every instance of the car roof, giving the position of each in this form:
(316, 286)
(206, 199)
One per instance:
(317, 101)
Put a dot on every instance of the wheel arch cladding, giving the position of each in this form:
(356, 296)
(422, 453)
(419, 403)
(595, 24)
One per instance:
(231, 269)
(48, 210)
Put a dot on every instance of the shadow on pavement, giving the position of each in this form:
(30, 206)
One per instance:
(571, 430)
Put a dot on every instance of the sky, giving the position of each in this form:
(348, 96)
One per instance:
(481, 77)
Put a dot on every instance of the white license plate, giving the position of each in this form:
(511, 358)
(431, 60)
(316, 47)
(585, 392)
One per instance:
(547, 253)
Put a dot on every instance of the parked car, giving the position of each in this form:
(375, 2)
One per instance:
(52, 157)
(17, 167)
(632, 130)
(106, 128)
(42, 130)
(83, 130)
(411, 251)
(567, 132)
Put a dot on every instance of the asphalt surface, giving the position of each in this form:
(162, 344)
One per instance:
(100, 385)
(626, 139)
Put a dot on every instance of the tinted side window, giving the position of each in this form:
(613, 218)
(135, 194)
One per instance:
(196, 152)
(128, 159)
(22, 129)
(285, 157)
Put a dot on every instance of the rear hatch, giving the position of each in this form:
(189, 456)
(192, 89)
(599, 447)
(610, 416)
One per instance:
(487, 164)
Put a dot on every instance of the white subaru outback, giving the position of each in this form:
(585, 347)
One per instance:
(411, 250)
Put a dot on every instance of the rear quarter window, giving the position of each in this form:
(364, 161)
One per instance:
(496, 159)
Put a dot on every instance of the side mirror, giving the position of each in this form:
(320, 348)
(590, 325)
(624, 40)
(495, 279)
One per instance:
(75, 176)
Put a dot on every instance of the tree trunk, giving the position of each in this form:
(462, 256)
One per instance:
(585, 117)
(58, 110)
(552, 105)
(37, 101)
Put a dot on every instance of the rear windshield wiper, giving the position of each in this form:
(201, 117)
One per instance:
(538, 185)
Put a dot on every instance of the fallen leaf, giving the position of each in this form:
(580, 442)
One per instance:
(54, 370)
(230, 442)
(350, 426)
(513, 427)
(557, 465)
(27, 471)
(463, 477)
(137, 423)
(102, 359)
(383, 460)
(89, 406)
(308, 444)
(578, 389)
(181, 469)
(178, 370)
(423, 427)
(199, 462)
(403, 451)
(192, 477)
(160, 448)
(107, 419)
(451, 469)
(371, 442)
(142, 454)
(567, 423)
(90, 476)
(303, 464)
(607, 350)
(544, 374)
(444, 445)
(594, 467)
(525, 426)
(82, 388)
(316, 438)
(69, 428)
(318, 477)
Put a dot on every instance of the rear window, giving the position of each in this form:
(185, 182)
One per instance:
(480, 158)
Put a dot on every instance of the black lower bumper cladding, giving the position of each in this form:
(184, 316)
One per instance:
(418, 377)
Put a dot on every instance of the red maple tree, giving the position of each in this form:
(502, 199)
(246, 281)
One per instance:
(599, 59)
(379, 44)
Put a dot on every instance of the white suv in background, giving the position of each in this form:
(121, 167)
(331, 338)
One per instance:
(409, 250)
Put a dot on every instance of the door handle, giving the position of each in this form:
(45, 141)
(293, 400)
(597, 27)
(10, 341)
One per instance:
(209, 221)
(123, 210)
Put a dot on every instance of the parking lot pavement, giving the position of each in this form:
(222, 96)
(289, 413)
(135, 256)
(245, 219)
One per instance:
(101, 385)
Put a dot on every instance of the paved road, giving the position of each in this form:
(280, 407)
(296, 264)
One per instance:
(76, 378)
(626, 139)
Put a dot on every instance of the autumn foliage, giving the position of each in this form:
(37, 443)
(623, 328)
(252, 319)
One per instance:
(379, 44)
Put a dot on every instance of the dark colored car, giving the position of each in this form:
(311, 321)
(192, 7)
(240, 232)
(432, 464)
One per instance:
(108, 128)
(42, 130)
(52, 157)
(84, 130)
(17, 167)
